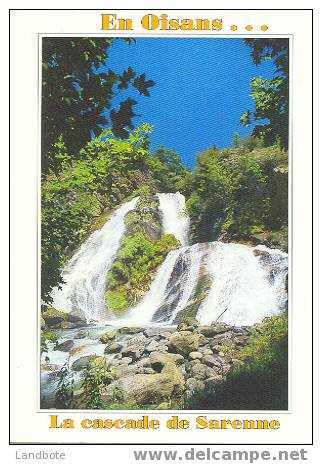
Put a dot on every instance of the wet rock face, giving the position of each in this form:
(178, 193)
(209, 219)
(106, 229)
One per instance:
(64, 346)
(147, 217)
(192, 260)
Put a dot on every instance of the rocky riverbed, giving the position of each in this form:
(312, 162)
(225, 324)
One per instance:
(160, 367)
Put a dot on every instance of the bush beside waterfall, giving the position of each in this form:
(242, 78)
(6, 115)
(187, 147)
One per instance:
(240, 194)
(260, 382)
(142, 250)
(107, 171)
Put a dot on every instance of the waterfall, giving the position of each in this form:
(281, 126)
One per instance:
(85, 273)
(175, 220)
(238, 284)
(248, 284)
(171, 289)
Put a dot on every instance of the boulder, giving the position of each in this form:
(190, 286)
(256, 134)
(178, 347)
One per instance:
(108, 336)
(155, 346)
(220, 327)
(133, 351)
(83, 362)
(198, 371)
(207, 330)
(211, 361)
(183, 343)
(193, 362)
(216, 348)
(67, 345)
(212, 382)
(138, 340)
(131, 330)
(159, 360)
(193, 387)
(135, 347)
(241, 340)
(159, 332)
(76, 316)
(81, 334)
(202, 340)
(205, 351)
(195, 355)
(69, 325)
(42, 323)
(146, 389)
(53, 318)
(188, 323)
(112, 348)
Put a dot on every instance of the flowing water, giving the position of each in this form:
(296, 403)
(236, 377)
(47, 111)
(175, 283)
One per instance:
(174, 218)
(85, 273)
(248, 284)
(243, 285)
(170, 290)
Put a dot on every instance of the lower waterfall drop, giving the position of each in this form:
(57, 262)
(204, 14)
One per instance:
(248, 284)
(85, 273)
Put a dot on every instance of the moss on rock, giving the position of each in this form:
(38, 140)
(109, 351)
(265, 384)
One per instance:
(142, 250)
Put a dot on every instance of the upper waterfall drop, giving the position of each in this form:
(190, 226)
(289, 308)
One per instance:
(174, 218)
(248, 284)
(85, 274)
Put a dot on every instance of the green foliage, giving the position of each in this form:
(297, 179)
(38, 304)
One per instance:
(264, 344)
(134, 267)
(116, 300)
(108, 171)
(262, 381)
(239, 191)
(77, 95)
(270, 95)
(170, 170)
(47, 336)
(96, 378)
(64, 391)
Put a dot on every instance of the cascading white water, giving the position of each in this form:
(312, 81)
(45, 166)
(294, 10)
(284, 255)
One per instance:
(162, 289)
(248, 284)
(174, 219)
(85, 273)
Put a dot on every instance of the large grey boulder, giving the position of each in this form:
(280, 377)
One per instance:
(146, 389)
(108, 336)
(183, 343)
(83, 362)
(113, 348)
(66, 346)
(76, 316)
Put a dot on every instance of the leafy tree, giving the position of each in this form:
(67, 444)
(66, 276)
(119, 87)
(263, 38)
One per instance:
(171, 171)
(77, 95)
(238, 192)
(270, 95)
(212, 189)
(108, 171)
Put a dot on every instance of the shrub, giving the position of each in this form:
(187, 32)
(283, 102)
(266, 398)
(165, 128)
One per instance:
(261, 382)
(96, 378)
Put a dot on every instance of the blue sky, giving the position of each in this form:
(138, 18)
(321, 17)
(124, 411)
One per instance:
(201, 88)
